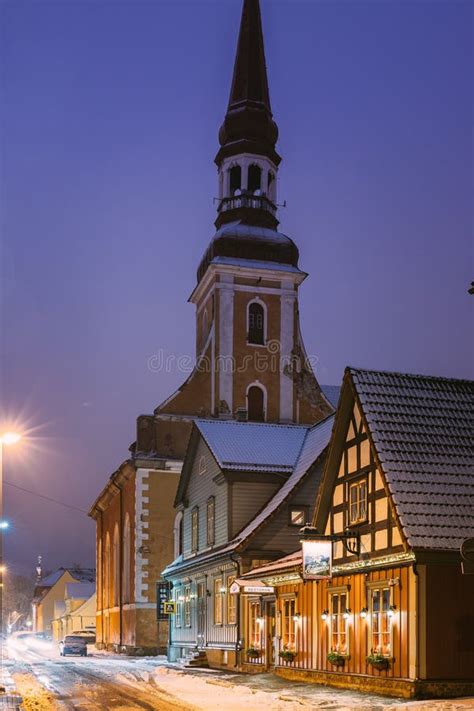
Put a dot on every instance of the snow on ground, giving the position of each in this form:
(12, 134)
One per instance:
(35, 696)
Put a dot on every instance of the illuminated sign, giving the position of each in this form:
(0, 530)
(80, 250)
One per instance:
(317, 559)
(169, 608)
(251, 589)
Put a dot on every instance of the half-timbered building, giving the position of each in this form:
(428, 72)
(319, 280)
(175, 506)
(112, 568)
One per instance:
(245, 491)
(396, 616)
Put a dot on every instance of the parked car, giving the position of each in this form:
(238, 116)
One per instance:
(73, 644)
(89, 635)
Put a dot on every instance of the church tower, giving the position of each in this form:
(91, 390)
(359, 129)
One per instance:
(251, 362)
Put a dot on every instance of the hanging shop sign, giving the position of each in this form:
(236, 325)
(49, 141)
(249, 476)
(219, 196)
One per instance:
(251, 588)
(317, 559)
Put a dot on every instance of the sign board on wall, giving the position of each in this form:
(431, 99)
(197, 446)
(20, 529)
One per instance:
(162, 597)
(317, 559)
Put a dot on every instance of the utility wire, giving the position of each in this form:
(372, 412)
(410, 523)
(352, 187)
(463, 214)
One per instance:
(46, 498)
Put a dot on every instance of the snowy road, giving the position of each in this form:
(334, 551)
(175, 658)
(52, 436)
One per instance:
(96, 683)
(104, 682)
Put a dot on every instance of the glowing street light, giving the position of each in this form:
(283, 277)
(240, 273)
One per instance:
(10, 438)
(7, 438)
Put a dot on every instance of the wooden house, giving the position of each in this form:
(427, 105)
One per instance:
(398, 618)
(245, 491)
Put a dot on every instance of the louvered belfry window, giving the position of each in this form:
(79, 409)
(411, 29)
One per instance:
(256, 334)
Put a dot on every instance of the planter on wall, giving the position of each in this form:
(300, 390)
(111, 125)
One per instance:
(378, 662)
(287, 655)
(337, 660)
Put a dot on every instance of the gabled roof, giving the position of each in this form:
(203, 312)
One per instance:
(422, 430)
(79, 574)
(312, 448)
(253, 446)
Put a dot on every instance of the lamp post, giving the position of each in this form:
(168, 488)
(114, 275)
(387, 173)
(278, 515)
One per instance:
(7, 439)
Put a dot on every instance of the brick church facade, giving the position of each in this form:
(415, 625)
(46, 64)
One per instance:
(251, 363)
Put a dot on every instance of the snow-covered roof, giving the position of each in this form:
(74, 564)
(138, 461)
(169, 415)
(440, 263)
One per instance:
(253, 446)
(256, 264)
(79, 574)
(314, 441)
(79, 591)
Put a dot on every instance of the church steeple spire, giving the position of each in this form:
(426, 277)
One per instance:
(248, 125)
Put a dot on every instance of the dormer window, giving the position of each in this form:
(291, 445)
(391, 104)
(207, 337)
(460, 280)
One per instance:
(235, 179)
(256, 324)
(254, 178)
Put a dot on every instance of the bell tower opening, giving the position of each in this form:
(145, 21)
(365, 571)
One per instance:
(254, 178)
(235, 179)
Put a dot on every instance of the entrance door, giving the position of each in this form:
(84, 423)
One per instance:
(271, 633)
(201, 614)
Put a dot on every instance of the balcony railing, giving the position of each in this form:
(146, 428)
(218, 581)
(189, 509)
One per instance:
(247, 200)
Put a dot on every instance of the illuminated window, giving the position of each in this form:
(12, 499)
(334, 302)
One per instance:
(381, 628)
(231, 602)
(298, 516)
(211, 521)
(218, 601)
(358, 501)
(187, 606)
(194, 530)
(288, 635)
(339, 624)
(255, 630)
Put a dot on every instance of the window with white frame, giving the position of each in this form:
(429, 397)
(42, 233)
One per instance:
(231, 602)
(187, 605)
(255, 630)
(339, 623)
(211, 521)
(178, 617)
(358, 501)
(219, 592)
(380, 621)
(288, 624)
(195, 529)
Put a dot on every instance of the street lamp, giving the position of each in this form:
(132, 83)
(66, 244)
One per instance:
(7, 439)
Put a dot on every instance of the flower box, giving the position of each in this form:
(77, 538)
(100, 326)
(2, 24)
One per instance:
(378, 661)
(253, 653)
(288, 655)
(336, 659)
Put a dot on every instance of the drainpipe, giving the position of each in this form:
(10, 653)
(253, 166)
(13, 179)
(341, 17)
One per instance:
(417, 598)
(237, 643)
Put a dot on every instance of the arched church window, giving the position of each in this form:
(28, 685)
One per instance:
(116, 566)
(256, 404)
(107, 571)
(235, 178)
(255, 178)
(256, 324)
(126, 559)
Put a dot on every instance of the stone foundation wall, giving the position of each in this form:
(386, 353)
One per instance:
(403, 688)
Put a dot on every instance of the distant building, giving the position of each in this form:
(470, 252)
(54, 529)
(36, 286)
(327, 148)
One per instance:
(50, 590)
(251, 364)
(77, 612)
(398, 618)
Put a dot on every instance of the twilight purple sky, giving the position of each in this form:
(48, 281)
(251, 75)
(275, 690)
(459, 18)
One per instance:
(109, 130)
